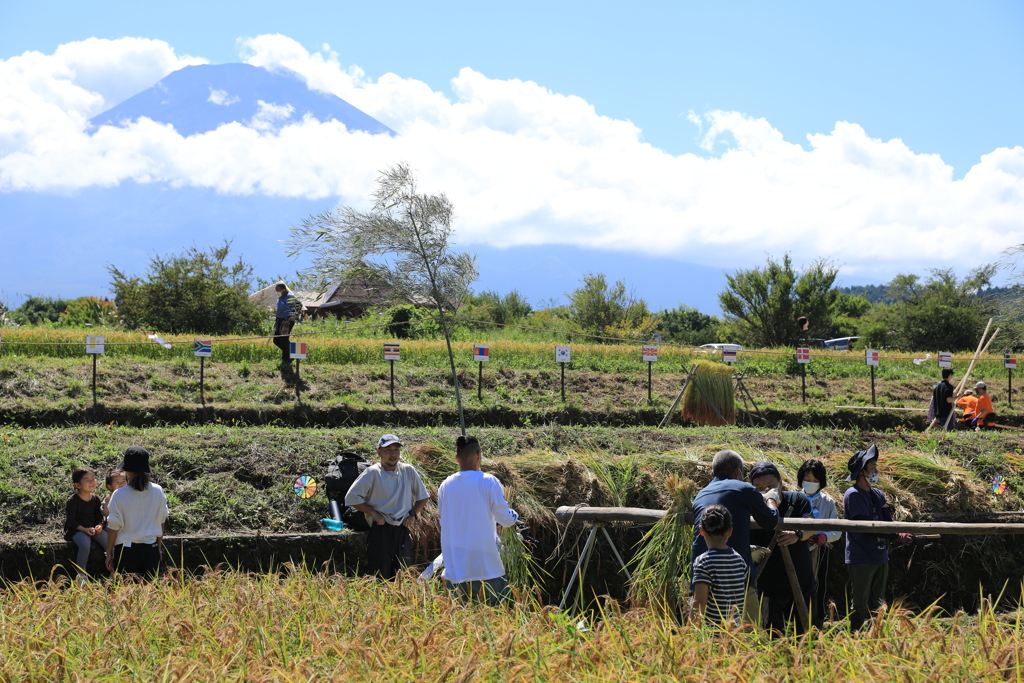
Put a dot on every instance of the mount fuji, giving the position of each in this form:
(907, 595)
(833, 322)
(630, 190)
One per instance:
(200, 98)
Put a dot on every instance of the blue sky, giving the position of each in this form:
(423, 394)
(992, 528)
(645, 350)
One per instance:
(684, 123)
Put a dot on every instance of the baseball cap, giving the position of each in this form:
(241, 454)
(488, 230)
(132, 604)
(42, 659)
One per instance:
(981, 385)
(387, 440)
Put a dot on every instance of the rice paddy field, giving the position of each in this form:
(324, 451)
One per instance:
(302, 626)
(228, 467)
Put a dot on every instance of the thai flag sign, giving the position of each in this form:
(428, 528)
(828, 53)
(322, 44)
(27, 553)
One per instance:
(870, 357)
(650, 353)
(298, 350)
(481, 352)
(392, 352)
(93, 344)
(1009, 361)
(563, 354)
(729, 355)
(803, 355)
(202, 348)
(945, 359)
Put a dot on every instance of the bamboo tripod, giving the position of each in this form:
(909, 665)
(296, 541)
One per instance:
(584, 559)
(978, 353)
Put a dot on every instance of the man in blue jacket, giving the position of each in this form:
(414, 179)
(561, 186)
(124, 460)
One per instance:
(287, 305)
(730, 489)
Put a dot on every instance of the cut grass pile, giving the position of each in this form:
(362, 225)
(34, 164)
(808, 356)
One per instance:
(303, 627)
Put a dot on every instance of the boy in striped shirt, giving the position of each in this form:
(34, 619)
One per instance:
(720, 574)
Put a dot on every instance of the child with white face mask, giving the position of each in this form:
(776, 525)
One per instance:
(812, 480)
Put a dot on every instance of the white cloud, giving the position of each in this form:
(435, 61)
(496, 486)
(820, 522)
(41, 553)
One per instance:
(522, 164)
(221, 97)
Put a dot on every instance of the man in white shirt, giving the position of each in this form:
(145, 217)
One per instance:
(472, 504)
(390, 493)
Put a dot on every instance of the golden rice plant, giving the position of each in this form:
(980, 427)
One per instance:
(712, 382)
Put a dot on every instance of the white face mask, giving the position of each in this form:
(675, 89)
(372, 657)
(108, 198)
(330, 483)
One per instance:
(810, 487)
(872, 478)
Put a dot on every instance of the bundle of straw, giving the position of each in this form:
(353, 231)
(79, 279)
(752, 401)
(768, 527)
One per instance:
(715, 380)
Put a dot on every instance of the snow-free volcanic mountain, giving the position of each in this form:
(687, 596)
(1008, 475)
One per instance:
(198, 99)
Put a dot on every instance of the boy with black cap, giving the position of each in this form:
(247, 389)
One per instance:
(867, 555)
(390, 493)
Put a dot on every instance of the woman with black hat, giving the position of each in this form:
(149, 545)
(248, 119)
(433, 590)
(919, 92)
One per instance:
(135, 525)
(867, 554)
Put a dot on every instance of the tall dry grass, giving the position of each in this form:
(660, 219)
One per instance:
(314, 627)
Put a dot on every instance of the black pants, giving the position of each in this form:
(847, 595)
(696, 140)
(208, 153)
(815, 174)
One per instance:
(282, 328)
(141, 559)
(818, 607)
(781, 610)
(387, 549)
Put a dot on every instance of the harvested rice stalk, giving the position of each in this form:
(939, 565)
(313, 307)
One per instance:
(521, 569)
(715, 379)
(661, 568)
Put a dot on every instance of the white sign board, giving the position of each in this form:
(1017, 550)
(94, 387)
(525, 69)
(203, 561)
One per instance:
(298, 350)
(871, 357)
(803, 355)
(650, 354)
(93, 344)
(729, 355)
(202, 348)
(563, 354)
(945, 359)
(392, 352)
(481, 352)
(1010, 361)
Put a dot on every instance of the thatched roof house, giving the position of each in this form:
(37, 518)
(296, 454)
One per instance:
(349, 298)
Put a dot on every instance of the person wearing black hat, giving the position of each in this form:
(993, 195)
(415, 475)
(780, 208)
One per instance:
(773, 587)
(943, 397)
(742, 500)
(867, 555)
(135, 522)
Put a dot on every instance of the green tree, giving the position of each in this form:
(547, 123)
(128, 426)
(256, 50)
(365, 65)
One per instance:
(611, 311)
(848, 313)
(492, 307)
(686, 325)
(39, 310)
(404, 239)
(941, 313)
(195, 291)
(762, 304)
(88, 311)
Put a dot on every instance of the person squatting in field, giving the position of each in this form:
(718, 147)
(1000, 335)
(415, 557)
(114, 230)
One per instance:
(390, 494)
(867, 555)
(720, 575)
(729, 489)
(135, 525)
(471, 505)
(778, 602)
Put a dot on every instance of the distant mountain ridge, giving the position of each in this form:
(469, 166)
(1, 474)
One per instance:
(200, 98)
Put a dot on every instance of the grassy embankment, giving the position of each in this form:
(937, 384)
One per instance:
(347, 379)
(303, 627)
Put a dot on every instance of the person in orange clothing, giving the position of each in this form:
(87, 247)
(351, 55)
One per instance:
(983, 415)
(969, 403)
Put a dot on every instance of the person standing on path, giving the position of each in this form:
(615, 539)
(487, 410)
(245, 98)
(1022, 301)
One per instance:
(471, 505)
(943, 397)
(288, 308)
(390, 494)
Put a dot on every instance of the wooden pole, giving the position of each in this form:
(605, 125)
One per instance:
(202, 360)
(913, 410)
(94, 379)
(650, 398)
(298, 380)
(480, 383)
(794, 585)
(563, 382)
(803, 382)
(1009, 383)
(392, 382)
(872, 385)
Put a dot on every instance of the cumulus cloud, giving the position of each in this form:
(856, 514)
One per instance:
(523, 164)
(221, 97)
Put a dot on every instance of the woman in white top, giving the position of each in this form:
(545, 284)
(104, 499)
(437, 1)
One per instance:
(135, 522)
(812, 479)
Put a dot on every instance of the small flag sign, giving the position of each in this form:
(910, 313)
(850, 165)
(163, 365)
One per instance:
(870, 357)
(945, 359)
(563, 354)
(1010, 361)
(729, 355)
(650, 354)
(803, 355)
(392, 352)
(93, 344)
(481, 352)
(202, 348)
(298, 350)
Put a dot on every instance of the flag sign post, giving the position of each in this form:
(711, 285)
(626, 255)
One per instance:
(1010, 363)
(563, 355)
(650, 356)
(945, 359)
(94, 345)
(803, 357)
(729, 355)
(202, 349)
(392, 352)
(481, 354)
(297, 352)
(871, 358)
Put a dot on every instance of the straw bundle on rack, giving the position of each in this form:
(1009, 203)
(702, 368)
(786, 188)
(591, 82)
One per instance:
(715, 379)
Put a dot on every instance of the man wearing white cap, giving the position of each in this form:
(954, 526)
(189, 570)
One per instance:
(390, 494)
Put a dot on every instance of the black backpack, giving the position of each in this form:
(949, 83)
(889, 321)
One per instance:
(341, 474)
